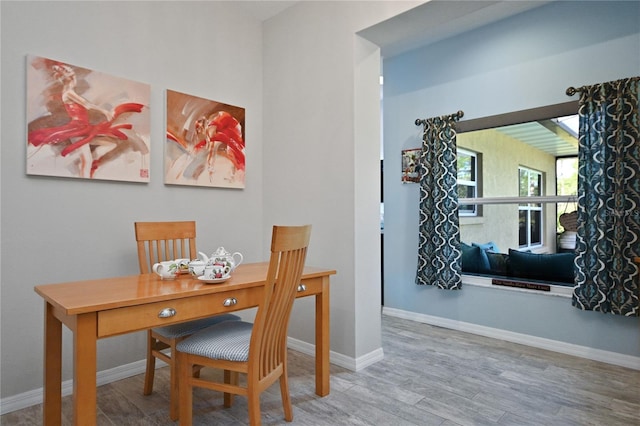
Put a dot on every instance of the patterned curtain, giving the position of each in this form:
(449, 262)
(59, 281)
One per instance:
(439, 230)
(608, 198)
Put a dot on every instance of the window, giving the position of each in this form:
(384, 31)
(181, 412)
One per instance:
(467, 181)
(501, 161)
(530, 214)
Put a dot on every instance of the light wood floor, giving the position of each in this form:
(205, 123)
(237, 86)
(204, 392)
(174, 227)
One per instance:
(429, 376)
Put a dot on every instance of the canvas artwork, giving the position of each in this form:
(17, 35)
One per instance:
(205, 142)
(410, 158)
(86, 124)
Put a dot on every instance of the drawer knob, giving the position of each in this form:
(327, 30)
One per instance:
(230, 301)
(167, 313)
(302, 287)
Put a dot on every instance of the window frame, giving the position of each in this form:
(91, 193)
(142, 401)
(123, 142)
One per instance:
(530, 207)
(475, 184)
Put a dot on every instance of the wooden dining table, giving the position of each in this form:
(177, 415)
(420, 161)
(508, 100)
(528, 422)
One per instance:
(95, 309)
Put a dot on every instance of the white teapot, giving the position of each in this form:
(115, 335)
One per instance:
(223, 257)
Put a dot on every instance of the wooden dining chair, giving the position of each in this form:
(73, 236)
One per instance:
(258, 350)
(157, 242)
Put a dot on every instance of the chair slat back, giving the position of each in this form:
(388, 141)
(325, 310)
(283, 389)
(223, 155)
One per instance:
(159, 241)
(269, 337)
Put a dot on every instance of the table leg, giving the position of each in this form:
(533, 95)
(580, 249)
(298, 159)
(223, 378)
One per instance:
(84, 370)
(322, 339)
(52, 399)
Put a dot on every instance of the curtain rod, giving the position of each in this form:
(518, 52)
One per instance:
(572, 90)
(458, 115)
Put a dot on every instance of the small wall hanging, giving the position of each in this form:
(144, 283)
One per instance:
(85, 124)
(410, 169)
(205, 142)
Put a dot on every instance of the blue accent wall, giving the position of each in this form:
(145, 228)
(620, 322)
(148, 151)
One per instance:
(522, 62)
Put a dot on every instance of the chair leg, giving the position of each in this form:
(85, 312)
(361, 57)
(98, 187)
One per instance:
(286, 397)
(254, 407)
(185, 390)
(151, 365)
(196, 371)
(230, 377)
(174, 384)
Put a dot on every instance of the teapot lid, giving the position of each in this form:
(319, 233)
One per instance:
(221, 252)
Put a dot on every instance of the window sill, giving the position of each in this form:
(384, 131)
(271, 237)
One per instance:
(471, 220)
(486, 281)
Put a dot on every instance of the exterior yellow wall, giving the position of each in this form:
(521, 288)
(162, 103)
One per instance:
(500, 157)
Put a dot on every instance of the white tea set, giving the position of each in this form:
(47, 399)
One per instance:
(216, 268)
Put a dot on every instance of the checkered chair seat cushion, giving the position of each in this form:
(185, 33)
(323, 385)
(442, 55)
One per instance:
(175, 331)
(226, 341)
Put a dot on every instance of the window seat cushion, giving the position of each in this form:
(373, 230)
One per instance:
(556, 268)
(547, 267)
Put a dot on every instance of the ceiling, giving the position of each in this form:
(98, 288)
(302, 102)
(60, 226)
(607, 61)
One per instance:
(549, 136)
(436, 20)
(424, 24)
(264, 9)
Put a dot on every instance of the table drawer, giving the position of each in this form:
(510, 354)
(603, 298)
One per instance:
(309, 287)
(140, 317)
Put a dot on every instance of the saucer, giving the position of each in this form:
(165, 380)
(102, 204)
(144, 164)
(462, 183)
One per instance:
(214, 280)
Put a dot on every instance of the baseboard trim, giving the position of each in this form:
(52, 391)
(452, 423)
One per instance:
(586, 352)
(350, 363)
(34, 397)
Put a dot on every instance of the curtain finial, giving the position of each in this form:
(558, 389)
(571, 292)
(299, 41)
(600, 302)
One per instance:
(571, 91)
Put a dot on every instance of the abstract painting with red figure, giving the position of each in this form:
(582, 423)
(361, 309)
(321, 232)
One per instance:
(86, 124)
(205, 142)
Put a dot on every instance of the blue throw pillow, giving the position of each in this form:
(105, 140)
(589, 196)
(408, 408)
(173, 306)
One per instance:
(546, 267)
(485, 266)
(471, 258)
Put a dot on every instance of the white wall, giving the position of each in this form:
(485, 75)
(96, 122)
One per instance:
(57, 230)
(322, 169)
(523, 62)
